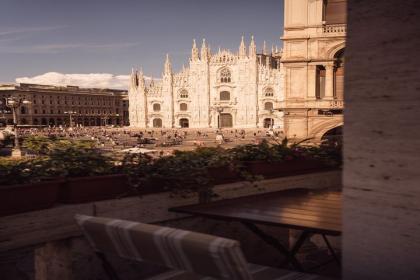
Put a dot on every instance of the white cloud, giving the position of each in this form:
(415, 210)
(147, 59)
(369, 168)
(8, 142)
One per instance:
(93, 80)
(19, 30)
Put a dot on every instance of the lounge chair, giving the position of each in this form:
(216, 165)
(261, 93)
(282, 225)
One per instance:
(190, 255)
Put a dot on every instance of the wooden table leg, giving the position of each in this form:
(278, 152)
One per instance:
(270, 240)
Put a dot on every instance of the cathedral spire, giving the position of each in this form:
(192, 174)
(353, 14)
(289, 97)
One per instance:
(252, 47)
(204, 53)
(133, 79)
(140, 79)
(264, 49)
(194, 51)
(242, 48)
(168, 66)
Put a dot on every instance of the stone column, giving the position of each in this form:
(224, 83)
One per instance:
(311, 82)
(53, 261)
(329, 82)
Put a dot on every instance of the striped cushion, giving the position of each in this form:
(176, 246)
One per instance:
(258, 272)
(197, 253)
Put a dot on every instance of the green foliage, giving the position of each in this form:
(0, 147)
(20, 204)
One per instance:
(42, 145)
(80, 162)
(183, 172)
(61, 163)
(14, 172)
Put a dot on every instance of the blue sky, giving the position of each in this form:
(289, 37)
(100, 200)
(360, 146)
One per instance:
(111, 36)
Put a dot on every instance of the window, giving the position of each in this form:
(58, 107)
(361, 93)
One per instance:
(156, 107)
(225, 76)
(335, 11)
(183, 94)
(320, 82)
(183, 107)
(225, 95)
(268, 106)
(269, 92)
(36, 111)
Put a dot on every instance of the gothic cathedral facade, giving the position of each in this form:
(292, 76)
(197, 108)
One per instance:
(220, 90)
(298, 89)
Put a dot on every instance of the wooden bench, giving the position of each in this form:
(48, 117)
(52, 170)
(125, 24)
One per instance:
(189, 255)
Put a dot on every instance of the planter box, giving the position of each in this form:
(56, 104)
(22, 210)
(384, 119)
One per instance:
(285, 168)
(154, 185)
(87, 189)
(28, 197)
(223, 175)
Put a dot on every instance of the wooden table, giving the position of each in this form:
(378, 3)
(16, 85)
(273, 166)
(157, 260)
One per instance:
(312, 212)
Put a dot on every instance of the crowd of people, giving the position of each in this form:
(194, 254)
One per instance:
(122, 138)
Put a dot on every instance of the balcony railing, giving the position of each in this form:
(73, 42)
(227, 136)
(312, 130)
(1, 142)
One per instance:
(334, 28)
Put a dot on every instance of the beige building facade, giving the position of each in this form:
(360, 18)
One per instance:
(313, 64)
(222, 89)
(53, 105)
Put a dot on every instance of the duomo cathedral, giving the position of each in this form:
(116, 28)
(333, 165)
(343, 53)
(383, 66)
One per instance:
(222, 89)
(299, 89)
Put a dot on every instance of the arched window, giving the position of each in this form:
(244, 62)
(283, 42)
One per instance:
(183, 94)
(225, 76)
(339, 74)
(268, 106)
(225, 95)
(156, 107)
(183, 107)
(269, 92)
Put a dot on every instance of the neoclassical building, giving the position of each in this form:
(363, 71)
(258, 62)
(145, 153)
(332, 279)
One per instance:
(54, 105)
(313, 62)
(222, 89)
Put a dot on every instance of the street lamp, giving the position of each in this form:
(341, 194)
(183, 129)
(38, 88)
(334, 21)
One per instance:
(70, 113)
(14, 103)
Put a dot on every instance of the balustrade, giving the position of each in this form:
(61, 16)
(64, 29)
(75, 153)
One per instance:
(334, 28)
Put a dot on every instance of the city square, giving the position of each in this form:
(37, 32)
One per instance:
(197, 139)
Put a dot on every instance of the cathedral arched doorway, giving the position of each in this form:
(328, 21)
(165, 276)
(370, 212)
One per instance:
(268, 123)
(184, 123)
(157, 123)
(225, 120)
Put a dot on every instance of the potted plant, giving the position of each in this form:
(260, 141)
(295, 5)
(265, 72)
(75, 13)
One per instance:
(27, 185)
(183, 173)
(279, 159)
(90, 175)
